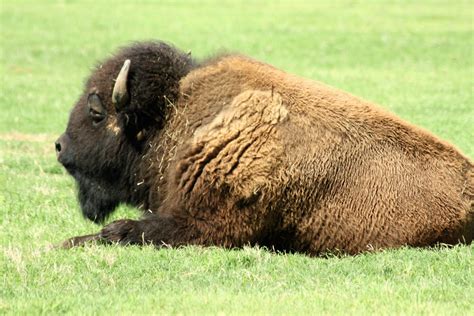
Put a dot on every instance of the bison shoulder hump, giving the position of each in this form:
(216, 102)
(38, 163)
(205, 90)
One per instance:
(238, 149)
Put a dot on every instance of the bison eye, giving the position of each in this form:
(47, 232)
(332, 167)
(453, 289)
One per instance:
(96, 110)
(96, 116)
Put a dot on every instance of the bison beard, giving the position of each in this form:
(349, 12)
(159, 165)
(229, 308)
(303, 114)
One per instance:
(234, 152)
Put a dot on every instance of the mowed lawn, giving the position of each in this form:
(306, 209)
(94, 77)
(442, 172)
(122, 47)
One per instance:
(413, 58)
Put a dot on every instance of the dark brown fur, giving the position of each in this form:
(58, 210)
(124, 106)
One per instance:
(247, 154)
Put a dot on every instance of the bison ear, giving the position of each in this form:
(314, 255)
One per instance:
(120, 95)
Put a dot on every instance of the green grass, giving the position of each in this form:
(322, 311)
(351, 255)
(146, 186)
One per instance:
(413, 58)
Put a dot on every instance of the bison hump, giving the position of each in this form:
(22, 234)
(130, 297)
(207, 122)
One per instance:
(237, 150)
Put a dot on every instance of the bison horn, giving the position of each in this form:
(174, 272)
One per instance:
(120, 94)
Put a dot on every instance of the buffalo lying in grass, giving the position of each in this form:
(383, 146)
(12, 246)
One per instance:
(232, 152)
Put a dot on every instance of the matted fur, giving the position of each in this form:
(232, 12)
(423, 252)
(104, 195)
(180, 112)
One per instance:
(243, 153)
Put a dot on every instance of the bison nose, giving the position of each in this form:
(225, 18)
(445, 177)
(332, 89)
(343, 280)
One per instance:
(63, 151)
(57, 144)
(61, 145)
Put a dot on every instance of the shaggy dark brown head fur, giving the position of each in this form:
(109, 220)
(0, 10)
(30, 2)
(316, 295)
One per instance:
(103, 144)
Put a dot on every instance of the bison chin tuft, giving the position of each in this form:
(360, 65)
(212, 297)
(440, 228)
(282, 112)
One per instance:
(97, 201)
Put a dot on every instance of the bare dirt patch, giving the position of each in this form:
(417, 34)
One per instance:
(14, 136)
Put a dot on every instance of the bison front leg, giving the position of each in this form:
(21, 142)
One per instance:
(174, 231)
(129, 232)
(124, 231)
(158, 230)
(165, 230)
(79, 241)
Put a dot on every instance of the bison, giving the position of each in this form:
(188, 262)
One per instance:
(232, 152)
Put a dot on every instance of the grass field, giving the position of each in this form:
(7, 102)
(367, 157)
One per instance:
(413, 58)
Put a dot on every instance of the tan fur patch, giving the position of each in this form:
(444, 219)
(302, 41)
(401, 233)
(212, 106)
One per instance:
(249, 108)
(240, 142)
(113, 126)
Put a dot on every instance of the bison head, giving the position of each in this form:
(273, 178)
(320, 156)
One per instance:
(125, 100)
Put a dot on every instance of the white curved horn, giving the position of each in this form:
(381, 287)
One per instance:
(120, 94)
